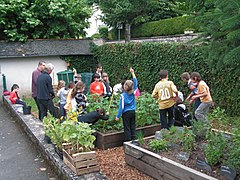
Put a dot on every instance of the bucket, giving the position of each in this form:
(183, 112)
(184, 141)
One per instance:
(27, 109)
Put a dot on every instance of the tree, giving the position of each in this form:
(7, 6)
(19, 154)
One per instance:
(221, 29)
(25, 19)
(133, 12)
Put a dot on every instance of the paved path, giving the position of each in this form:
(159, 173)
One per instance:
(19, 159)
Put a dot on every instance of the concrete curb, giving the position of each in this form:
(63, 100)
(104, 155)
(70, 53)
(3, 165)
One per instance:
(34, 129)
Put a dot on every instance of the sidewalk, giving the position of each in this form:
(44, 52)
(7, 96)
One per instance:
(34, 129)
(19, 157)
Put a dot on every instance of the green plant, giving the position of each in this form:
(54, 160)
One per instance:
(158, 145)
(188, 140)
(147, 110)
(78, 134)
(53, 130)
(200, 129)
(140, 137)
(214, 150)
(233, 152)
(103, 31)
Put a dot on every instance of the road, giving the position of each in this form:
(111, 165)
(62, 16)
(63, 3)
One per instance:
(19, 158)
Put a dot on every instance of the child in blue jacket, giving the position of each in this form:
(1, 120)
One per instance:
(127, 107)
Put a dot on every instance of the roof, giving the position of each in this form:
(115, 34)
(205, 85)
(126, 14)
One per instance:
(45, 48)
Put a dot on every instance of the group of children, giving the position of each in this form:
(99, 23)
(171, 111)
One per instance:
(171, 108)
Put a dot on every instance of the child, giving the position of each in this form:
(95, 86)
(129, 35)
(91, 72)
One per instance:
(106, 84)
(204, 95)
(62, 94)
(164, 93)
(76, 99)
(96, 87)
(127, 107)
(194, 89)
(14, 98)
(93, 116)
(181, 114)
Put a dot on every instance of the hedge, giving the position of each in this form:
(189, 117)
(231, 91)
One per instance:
(149, 58)
(164, 27)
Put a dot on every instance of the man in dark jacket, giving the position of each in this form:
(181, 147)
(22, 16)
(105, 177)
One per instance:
(93, 116)
(45, 92)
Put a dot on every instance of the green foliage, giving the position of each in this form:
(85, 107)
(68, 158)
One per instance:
(145, 114)
(222, 34)
(147, 110)
(21, 19)
(214, 150)
(158, 145)
(103, 31)
(233, 153)
(165, 27)
(81, 63)
(140, 137)
(78, 134)
(31, 102)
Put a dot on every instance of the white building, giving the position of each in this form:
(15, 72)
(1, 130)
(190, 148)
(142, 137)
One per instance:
(18, 60)
(95, 21)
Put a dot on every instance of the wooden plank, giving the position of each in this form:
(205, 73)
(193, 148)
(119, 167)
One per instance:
(147, 169)
(88, 170)
(110, 140)
(84, 156)
(65, 160)
(88, 163)
(68, 157)
(166, 165)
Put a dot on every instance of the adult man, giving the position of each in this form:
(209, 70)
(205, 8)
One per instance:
(35, 74)
(45, 91)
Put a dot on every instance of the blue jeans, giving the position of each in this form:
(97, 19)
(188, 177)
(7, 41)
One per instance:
(129, 123)
(197, 102)
(166, 124)
(62, 110)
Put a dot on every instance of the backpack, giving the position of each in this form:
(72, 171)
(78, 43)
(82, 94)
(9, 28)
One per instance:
(182, 117)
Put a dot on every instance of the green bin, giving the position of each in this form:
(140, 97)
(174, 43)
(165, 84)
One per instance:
(87, 78)
(66, 75)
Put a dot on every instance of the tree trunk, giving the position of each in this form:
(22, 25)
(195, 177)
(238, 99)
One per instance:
(127, 32)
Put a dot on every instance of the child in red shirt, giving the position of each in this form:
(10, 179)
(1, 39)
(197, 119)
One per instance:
(96, 87)
(14, 98)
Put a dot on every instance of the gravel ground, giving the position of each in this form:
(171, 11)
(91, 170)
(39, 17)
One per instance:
(113, 165)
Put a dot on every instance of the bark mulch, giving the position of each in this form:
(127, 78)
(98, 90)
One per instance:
(113, 165)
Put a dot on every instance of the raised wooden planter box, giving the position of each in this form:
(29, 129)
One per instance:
(158, 166)
(80, 163)
(110, 140)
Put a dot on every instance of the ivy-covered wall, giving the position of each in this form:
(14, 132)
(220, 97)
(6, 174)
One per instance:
(149, 58)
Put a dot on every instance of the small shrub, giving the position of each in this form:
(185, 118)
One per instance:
(103, 31)
(158, 145)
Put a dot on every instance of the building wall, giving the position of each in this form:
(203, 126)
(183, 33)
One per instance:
(19, 71)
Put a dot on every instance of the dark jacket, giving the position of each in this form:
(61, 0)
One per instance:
(44, 86)
(91, 117)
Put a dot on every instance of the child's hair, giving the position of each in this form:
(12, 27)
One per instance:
(196, 76)
(179, 101)
(128, 86)
(101, 111)
(14, 86)
(79, 86)
(104, 75)
(99, 66)
(96, 75)
(61, 84)
(163, 74)
(70, 85)
(185, 75)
